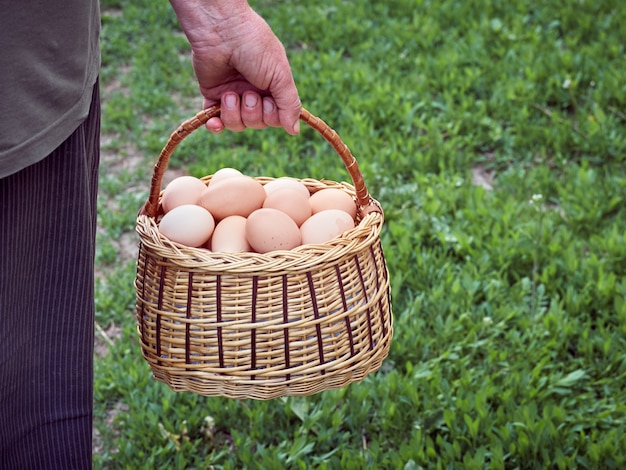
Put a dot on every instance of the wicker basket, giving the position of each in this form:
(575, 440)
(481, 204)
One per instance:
(262, 326)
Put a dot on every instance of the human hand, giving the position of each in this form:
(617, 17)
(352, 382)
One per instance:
(240, 63)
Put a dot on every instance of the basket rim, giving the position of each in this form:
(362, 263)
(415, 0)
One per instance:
(303, 257)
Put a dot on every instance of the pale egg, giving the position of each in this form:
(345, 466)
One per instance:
(332, 198)
(270, 229)
(189, 225)
(224, 173)
(233, 196)
(182, 190)
(290, 201)
(325, 225)
(286, 182)
(230, 235)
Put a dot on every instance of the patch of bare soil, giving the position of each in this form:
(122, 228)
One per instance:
(105, 338)
(111, 414)
(128, 158)
(482, 177)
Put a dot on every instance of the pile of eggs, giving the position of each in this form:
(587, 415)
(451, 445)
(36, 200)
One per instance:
(237, 213)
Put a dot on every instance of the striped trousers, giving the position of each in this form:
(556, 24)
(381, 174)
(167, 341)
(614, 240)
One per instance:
(47, 238)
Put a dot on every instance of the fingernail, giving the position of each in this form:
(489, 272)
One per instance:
(296, 127)
(250, 100)
(268, 106)
(230, 100)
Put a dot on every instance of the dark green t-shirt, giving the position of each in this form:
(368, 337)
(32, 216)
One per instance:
(49, 62)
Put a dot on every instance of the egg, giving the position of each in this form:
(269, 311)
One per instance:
(332, 198)
(270, 229)
(189, 225)
(230, 235)
(290, 201)
(325, 225)
(286, 182)
(224, 173)
(233, 196)
(182, 190)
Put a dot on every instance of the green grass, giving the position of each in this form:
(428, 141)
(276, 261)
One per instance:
(509, 304)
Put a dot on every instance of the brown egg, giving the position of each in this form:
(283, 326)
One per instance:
(325, 225)
(182, 190)
(230, 235)
(290, 201)
(270, 229)
(332, 198)
(239, 195)
(224, 173)
(286, 182)
(188, 224)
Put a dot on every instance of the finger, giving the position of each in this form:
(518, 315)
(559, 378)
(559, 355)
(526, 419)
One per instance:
(270, 112)
(252, 110)
(215, 125)
(231, 112)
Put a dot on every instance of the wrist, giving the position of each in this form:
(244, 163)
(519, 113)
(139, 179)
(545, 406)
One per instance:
(201, 19)
(216, 10)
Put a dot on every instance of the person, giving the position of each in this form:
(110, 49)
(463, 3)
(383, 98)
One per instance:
(49, 155)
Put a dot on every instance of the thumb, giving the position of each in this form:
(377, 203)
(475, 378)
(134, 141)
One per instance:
(290, 117)
(287, 100)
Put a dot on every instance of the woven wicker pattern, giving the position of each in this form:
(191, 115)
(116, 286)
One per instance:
(261, 326)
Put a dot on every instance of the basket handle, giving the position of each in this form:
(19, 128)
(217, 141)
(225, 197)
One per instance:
(364, 200)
